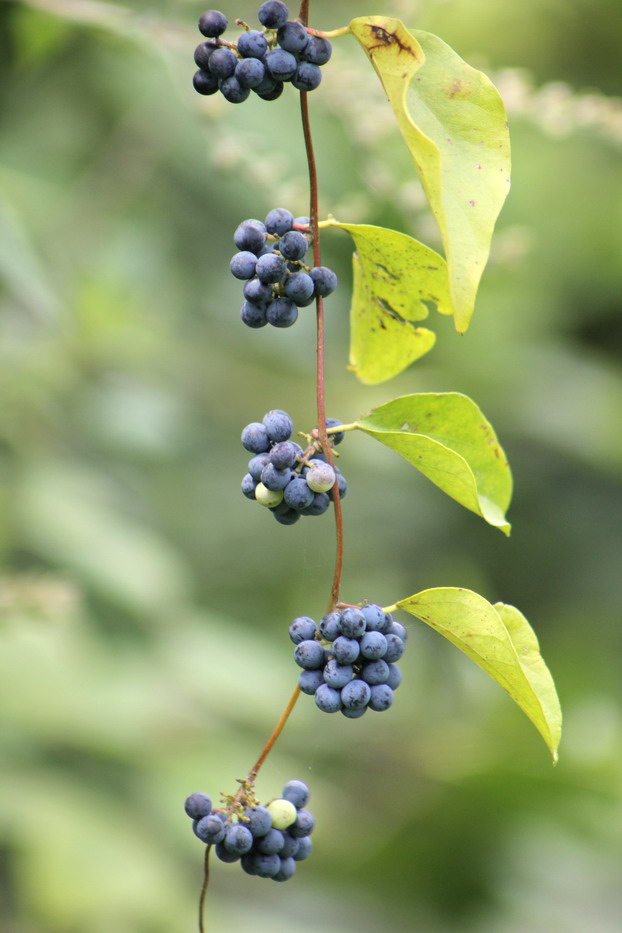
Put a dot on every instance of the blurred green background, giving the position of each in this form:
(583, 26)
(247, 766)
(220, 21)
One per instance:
(144, 603)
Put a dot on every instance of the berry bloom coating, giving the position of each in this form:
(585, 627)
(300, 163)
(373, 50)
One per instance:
(309, 681)
(375, 672)
(309, 655)
(290, 845)
(205, 82)
(324, 279)
(271, 268)
(287, 517)
(279, 221)
(299, 287)
(275, 479)
(272, 93)
(268, 497)
(255, 438)
(259, 821)
(283, 813)
(248, 486)
(330, 626)
(210, 830)
(283, 455)
(297, 793)
(213, 23)
(346, 650)
(304, 825)
(293, 245)
(356, 694)
(381, 698)
(282, 312)
(272, 842)
(305, 844)
(292, 37)
(298, 494)
(328, 699)
(395, 677)
(398, 629)
(273, 14)
(395, 648)
(352, 623)
(238, 839)
(202, 54)
(318, 51)
(250, 72)
(243, 265)
(281, 64)
(374, 617)
(373, 645)
(257, 291)
(232, 90)
(353, 713)
(252, 44)
(254, 315)
(279, 425)
(338, 675)
(320, 478)
(307, 77)
(198, 805)
(287, 869)
(222, 62)
(256, 465)
(224, 854)
(302, 629)
(250, 235)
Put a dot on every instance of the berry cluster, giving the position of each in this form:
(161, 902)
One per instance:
(261, 61)
(267, 841)
(349, 662)
(282, 476)
(270, 261)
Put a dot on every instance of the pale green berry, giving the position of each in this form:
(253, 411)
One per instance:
(320, 477)
(268, 497)
(283, 813)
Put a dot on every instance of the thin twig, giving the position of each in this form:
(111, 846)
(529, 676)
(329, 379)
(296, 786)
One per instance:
(203, 894)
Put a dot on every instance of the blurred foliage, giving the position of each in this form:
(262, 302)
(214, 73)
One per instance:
(144, 602)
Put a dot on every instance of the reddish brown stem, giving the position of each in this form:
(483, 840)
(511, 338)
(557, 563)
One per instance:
(320, 379)
(276, 733)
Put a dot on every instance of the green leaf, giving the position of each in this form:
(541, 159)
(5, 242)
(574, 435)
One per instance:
(394, 275)
(455, 126)
(500, 641)
(449, 440)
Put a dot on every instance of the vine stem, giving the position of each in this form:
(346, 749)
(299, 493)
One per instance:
(203, 894)
(320, 356)
(275, 734)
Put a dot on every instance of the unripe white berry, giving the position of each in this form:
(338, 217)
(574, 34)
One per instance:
(283, 813)
(268, 497)
(320, 476)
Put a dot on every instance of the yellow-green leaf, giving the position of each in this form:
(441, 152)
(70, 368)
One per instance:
(446, 436)
(500, 641)
(455, 126)
(537, 673)
(394, 275)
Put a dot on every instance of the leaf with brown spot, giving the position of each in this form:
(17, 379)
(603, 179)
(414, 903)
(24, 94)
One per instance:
(455, 126)
(394, 275)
